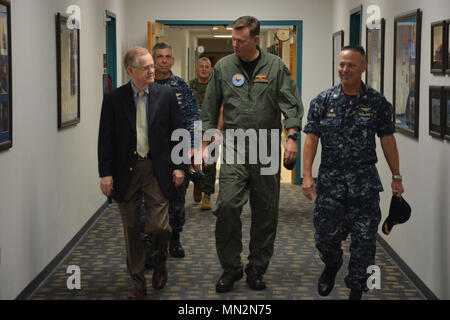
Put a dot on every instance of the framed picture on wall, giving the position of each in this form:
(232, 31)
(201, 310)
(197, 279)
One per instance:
(436, 112)
(375, 55)
(446, 113)
(407, 41)
(437, 47)
(68, 72)
(338, 44)
(5, 77)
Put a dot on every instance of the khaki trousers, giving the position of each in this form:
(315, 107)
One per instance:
(143, 181)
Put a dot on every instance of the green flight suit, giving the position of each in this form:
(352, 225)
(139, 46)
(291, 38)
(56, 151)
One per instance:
(257, 102)
(208, 181)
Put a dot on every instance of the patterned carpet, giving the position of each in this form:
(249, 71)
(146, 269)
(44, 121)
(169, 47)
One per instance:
(292, 274)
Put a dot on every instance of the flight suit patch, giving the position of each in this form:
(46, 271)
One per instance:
(238, 80)
(261, 78)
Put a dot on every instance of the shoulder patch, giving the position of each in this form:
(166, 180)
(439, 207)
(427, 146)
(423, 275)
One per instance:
(286, 70)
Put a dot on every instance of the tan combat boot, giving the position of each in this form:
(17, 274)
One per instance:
(206, 202)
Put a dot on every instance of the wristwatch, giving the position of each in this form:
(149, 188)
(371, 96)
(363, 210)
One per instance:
(396, 177)
(293, 136)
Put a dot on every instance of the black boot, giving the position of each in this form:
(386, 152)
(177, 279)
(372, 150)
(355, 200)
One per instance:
(355, 295)
(175, 248)
(326, 280)
(226, 281)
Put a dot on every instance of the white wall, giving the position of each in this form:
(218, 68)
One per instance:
(423, 242)
(49, 180)
(178, 38)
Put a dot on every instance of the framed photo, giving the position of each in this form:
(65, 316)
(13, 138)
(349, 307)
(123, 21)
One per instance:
(68, 68)
(375, 55)
(407, 41)
(436, 112)
(446, 112)
(338, 44)
(437, 47)
(447, 45)
(5, 77)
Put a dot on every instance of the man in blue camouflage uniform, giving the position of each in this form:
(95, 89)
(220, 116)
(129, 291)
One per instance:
(346, 118)
(190, 112)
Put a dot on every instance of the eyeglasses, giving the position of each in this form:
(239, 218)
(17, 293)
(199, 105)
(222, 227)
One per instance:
(145, 69)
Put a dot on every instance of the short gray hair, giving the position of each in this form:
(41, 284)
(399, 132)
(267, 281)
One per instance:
(161, 46)
(130, 59)
(205, 59)
(358, 49)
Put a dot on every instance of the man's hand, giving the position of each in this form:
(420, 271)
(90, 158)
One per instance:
(309, 152)
(178, 177)
(309, 187)
(217, 138)
(291, 149)
(106, 185)
(397, 187)
(205, 153)
(197, 156)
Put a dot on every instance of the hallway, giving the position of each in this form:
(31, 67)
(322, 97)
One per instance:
(292, 274)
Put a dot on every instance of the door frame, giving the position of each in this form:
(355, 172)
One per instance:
(357, 10)
(112, 59)
(299, 40)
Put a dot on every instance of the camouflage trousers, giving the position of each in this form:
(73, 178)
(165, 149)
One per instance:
(177, 212)
(208, 181)
(334, 220)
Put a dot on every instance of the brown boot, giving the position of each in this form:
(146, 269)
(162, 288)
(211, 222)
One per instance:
(206, 202)
(160, 276)
(138, 292)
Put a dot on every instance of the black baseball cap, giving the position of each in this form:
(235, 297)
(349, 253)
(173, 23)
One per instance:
(399, 212)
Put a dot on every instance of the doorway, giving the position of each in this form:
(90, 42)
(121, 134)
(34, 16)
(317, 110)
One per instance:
(181, 29)
(355, 26)
(111, 47)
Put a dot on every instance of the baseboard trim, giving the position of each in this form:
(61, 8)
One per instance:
(420, 285)
(40, 279)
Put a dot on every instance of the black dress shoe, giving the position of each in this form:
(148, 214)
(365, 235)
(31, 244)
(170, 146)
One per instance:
(256, 281)
(326, 280)
(175, 248)
(225, 283)
(355, 295)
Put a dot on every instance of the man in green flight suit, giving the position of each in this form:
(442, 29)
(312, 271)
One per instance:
(255, 88)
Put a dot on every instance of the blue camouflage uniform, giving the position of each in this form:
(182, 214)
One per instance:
(348, 183)
(190, 112)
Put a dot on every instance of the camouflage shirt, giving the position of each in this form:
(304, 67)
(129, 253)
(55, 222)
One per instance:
(189, 108)
(199, 89)
(347, 126)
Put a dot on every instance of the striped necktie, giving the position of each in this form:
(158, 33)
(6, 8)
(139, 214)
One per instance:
(141, 126)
